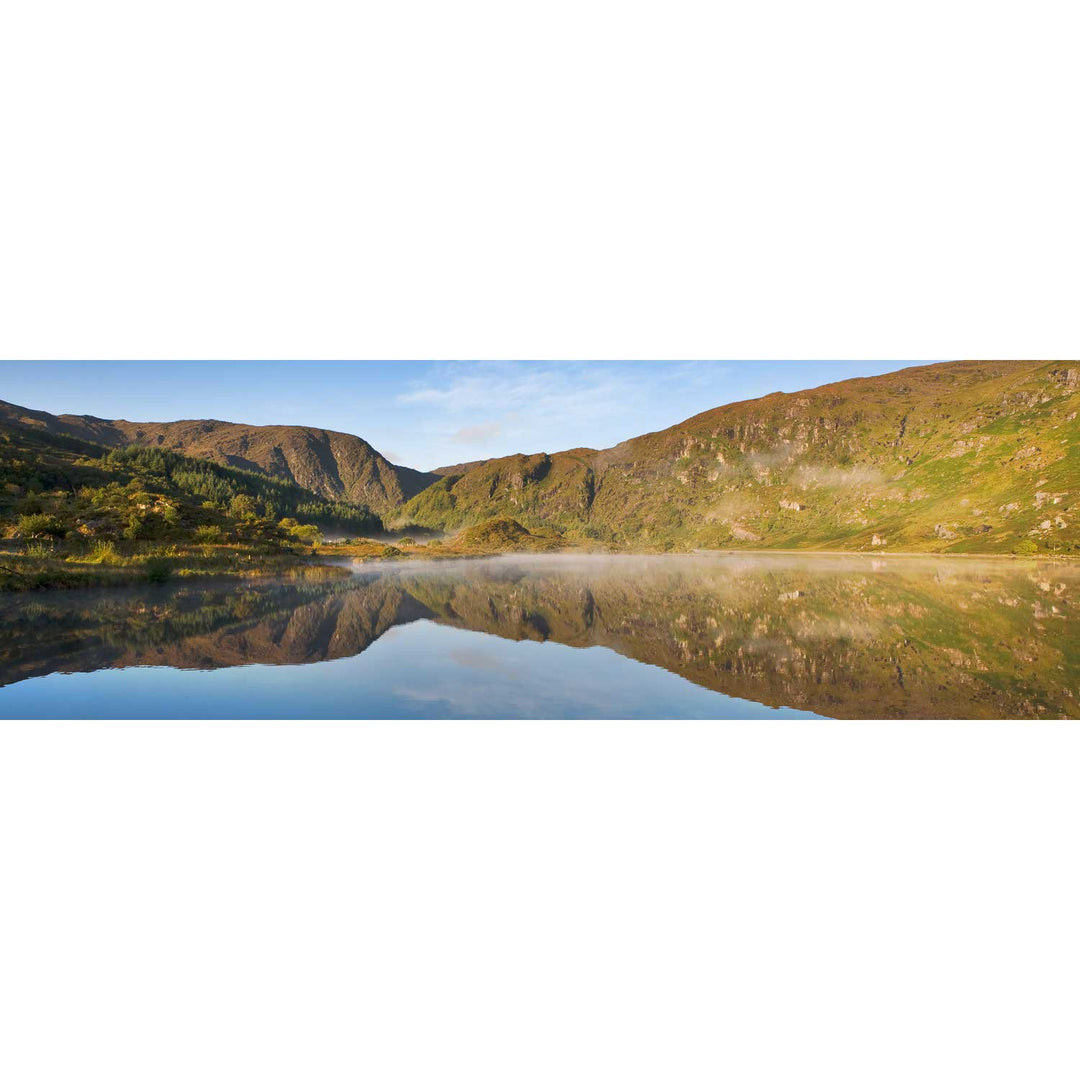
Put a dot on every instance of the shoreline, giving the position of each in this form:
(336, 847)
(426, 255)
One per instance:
(1035, 557)
(60, 575)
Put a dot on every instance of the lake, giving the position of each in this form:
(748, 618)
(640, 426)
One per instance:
(682, 636)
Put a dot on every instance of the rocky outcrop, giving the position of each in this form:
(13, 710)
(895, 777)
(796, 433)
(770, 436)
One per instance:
(740, 532)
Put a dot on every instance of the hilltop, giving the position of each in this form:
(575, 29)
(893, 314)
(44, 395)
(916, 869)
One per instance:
(963, 457)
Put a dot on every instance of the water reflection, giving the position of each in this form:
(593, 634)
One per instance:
(844, 636)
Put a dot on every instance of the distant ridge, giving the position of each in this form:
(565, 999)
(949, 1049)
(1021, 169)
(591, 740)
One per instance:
(457, 470)
(331, 464)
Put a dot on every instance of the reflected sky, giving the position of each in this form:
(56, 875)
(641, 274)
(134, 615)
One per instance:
(561, 636)
(417, 671)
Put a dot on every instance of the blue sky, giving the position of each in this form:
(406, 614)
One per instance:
(423, 413)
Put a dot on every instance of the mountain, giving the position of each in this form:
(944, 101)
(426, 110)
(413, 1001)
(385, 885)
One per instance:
(962, 456)
(55, 485)
(331, 464)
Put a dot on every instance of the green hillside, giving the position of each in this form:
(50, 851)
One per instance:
(957, 457)
(73, 512)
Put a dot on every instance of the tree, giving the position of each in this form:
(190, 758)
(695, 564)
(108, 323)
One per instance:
(41, 525)
(243, 506)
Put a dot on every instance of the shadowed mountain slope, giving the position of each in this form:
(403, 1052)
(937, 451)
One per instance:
(331, 464)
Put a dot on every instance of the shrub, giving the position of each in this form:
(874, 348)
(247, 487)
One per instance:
(307, 533)
(102, 551)
(38, 550)
(1026, 547)
(158, 570)
(208, 534)
(40, 525)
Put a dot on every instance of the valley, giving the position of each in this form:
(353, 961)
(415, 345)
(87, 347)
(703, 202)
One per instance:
(954, 458)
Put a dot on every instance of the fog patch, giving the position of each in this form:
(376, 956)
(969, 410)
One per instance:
(772, 459)
(858, 476)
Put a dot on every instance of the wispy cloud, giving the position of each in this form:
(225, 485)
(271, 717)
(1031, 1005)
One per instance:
(526, 406)
(477, 433)
(586, 390)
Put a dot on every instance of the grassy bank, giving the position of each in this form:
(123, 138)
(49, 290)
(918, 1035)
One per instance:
(258, 549)
(39, 566)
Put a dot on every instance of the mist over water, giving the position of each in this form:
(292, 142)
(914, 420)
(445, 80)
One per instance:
(709, 636)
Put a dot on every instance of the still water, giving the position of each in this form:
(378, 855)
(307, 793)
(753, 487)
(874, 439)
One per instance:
(727, 636)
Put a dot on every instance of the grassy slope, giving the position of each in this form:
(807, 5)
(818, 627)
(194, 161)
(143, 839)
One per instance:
(959, 457)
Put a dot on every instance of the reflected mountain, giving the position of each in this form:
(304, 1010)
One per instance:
(845, 636)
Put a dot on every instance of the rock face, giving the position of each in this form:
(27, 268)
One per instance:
(740, 532)
(331, 464)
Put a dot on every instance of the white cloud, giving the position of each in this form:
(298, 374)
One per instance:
(585, 389)
(477, 433)
(528, 406)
